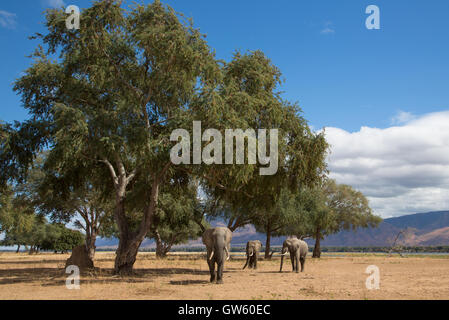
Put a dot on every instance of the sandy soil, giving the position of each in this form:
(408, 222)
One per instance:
(186, 277)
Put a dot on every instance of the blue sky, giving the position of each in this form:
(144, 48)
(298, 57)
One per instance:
(347, 77)
(344, 76)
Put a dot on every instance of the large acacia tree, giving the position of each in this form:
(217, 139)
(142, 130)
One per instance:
(106, 97)
(251, 97)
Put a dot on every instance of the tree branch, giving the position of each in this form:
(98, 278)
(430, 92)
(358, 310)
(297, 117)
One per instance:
(219, 185)
(112, 171)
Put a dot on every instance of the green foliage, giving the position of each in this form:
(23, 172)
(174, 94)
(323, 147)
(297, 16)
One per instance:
(248, 98)
(22, 226)
(58, 238)
(175, 221)
(39, 235)
(329, 209)
(17, 217)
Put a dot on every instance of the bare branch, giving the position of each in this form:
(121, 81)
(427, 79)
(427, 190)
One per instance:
(131, 176)
(112, 171)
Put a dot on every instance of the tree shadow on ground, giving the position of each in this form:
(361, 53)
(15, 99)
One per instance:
(31, 262)
(188, 282)
(29, 275)
(58, 276)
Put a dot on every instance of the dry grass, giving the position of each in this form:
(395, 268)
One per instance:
(186, 277)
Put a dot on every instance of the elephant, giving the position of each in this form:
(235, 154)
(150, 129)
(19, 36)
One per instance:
(298, 251)
(218, 242)
(252, 253)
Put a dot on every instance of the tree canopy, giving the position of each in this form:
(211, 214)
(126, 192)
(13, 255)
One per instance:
(328, 209)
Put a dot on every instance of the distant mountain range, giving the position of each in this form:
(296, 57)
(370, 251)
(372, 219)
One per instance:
(423, 229)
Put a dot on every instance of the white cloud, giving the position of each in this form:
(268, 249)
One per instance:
(402, 169)
(327, 31)
(402, 117)
(54, 3)
(328, 28)
(7, 19)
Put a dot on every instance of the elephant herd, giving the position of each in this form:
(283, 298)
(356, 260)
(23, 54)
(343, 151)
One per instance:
(218, 243)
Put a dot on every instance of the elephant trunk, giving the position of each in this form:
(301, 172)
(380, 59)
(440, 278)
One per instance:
(219, 250)
(247, 261)
(282, 257)
(282, 262)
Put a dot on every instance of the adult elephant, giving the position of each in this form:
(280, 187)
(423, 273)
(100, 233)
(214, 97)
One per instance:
(298, 251)
(252, 253)
(218, 242)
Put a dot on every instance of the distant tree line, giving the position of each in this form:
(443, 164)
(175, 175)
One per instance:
(34, 234)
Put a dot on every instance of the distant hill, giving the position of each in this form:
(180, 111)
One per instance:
(425, 229)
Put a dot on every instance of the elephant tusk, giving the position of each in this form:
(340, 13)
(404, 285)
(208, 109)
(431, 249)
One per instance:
(227, 254)
(284, 254)
(211, 256)
(251, 254)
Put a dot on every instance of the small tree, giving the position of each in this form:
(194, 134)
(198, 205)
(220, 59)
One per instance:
(331, 208)
(402, 238)
(275, 220)
(85, 206)
(175, 221)
(18, 221)
(58, 238)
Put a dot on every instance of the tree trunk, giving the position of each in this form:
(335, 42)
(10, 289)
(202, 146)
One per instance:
(126, 255)
(317, 248)
(18, 248)
(91, 238)
(268, 245)
(161, 251)
(129, 243)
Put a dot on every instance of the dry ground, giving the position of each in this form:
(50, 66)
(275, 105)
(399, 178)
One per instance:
(186, 277)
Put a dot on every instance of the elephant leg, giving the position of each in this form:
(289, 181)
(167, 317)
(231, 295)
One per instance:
(247, 262)
(211, 270)
(220, 272)
(303, 262)
(282, 263)
(255, 261)
(297, 262)
(211, 263)
(292, 259)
